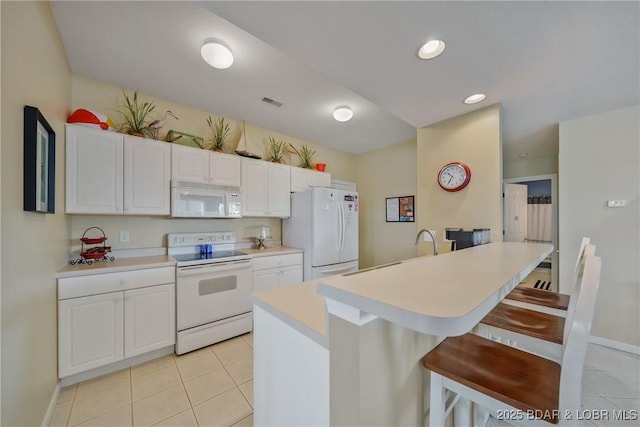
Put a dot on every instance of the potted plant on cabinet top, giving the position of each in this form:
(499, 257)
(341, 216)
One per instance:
(305, 154)
(220, 131)
(277, 150)
(135, 115)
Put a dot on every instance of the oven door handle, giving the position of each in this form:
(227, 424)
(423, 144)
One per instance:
(215, 268)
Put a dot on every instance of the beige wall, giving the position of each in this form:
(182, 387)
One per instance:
(598, 161)
(474, 139)
(389, 172)
(543, 165)
(34, 72)
(106, 98)
(150, 232)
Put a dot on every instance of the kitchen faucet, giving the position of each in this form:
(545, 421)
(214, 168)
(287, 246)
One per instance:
(433, 240)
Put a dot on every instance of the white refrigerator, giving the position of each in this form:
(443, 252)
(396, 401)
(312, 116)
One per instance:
(324, 222)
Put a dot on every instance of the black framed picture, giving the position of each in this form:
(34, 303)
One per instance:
(39, 162)
(400, 209)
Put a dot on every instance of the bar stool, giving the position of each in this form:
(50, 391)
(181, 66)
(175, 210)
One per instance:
(545, 301)
(510, 383)
(529, 330)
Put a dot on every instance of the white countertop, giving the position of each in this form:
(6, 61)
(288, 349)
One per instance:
(443, 295)
(117, 265)
(299, 305)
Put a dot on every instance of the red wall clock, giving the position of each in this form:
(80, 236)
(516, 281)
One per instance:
(454, 176)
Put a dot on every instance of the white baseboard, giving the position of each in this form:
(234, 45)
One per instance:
(116, 366)
(616, 345)
(52, 406)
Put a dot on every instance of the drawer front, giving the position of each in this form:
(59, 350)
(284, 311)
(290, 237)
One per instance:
(94, 284)
(275, 261)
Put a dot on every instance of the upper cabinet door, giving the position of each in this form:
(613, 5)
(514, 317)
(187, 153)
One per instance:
(147, 177)
(94, 171)
(279, 190)
(189, 164)
(225, 169)
(302, 179)
(254, 187)
(320, 179)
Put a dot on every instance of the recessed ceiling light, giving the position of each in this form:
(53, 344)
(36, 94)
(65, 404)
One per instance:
(431, 49)
(216, 54)
(342, 114)
(474, 99)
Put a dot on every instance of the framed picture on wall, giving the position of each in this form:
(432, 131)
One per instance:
(39, 162)
(400, 209)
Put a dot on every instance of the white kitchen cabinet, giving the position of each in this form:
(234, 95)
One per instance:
(147, 177)
(149, 319)
(204, 166)
(302, 179)
(110, 173)
(265, 188)
(224, 169)
(189, 164)
(90, 332)
(105, 318)
(94, 171)
(276, 270)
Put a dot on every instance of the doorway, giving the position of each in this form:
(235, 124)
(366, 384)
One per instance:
(542, 224)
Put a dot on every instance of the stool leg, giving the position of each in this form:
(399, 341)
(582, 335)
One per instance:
(462, 413)
(437, 403)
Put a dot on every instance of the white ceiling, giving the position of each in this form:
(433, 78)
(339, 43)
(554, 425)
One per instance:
(545, 62)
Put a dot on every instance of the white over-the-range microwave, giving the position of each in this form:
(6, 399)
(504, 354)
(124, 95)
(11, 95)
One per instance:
(198, 200)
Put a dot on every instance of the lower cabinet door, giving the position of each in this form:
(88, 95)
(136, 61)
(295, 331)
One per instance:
(291, 275)
(89, 332)
(266, 279)
(149, 319)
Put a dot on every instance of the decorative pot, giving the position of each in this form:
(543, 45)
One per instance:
(321, 166)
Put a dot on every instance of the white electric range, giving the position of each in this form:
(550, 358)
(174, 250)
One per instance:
(213, 283)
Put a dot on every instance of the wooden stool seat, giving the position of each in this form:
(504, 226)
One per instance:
(539, 297)
(520, 379)
(527, 322)
(498, 378)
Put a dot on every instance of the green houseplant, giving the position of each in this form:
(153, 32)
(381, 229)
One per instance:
(305, 154)
(220, 131)
(136, 114)
(276, 150)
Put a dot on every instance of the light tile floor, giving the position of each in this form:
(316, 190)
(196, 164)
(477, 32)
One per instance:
(214, 387)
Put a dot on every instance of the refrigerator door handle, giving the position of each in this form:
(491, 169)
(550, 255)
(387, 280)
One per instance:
(339, 246)
(342, 226)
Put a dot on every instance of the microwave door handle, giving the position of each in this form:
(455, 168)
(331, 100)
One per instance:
(200, 192)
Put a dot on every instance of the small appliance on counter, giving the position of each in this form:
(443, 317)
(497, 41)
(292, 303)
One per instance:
(461, 239)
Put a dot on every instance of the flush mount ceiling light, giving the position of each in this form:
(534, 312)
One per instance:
(431, 49)
(342, 114)
(216, 54)
(474, 99)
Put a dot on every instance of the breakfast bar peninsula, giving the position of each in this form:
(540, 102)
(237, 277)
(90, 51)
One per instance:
(345, 350)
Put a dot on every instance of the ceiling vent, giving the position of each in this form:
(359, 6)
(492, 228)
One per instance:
(272, 102)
